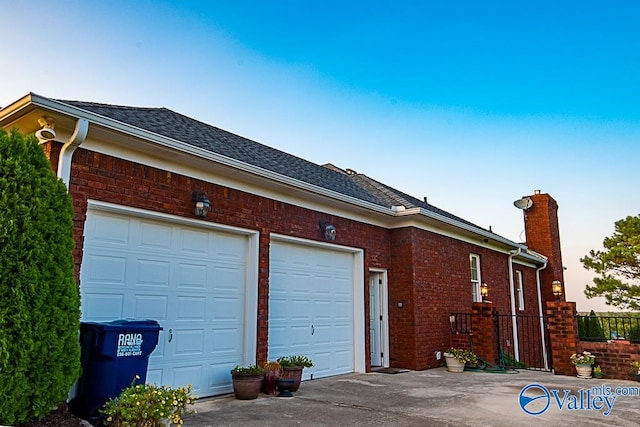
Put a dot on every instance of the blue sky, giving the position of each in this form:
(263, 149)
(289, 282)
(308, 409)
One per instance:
(472, 104)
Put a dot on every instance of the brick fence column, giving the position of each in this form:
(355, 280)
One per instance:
(485, 332)
(563, 335)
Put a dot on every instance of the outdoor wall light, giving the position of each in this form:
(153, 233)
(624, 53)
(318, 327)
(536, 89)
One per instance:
(484, 292)
(328, 230)
(556, 287)
(46, 133)
(452, 323)
(202, 203)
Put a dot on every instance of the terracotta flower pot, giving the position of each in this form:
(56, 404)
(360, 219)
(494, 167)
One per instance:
(246, 386)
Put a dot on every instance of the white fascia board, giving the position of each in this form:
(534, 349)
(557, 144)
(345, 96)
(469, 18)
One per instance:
(526, 255)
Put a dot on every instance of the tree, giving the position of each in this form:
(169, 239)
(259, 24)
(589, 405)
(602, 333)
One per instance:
(618, 266)
(39, 297)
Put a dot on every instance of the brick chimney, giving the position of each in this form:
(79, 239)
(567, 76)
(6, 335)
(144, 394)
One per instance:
(543, 236)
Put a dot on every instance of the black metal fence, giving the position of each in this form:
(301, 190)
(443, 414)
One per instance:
(528, 347)
(604, 328)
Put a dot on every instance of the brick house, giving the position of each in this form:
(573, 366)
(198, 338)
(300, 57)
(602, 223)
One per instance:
(291, 258)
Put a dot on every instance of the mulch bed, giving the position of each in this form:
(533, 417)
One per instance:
(55, 419)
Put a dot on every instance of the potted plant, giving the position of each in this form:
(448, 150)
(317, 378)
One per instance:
(148, 405)
(292, 367)
(457, 358)
(583, 363)
(247, 381)
(636, 366)
(272, 370)
(597, 372)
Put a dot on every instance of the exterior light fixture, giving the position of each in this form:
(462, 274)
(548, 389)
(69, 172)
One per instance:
(202, 203)
(328, 231)
(556, 287)
(484, 291)
(46, 132)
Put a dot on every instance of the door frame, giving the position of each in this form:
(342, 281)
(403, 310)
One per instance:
(383, 302)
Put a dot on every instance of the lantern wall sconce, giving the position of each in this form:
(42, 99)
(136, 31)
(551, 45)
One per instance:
(46, 132)
(556, 288)
(484, 292)
(328, 230)
(202, 203)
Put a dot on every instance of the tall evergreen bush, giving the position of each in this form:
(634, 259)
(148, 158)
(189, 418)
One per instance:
(39, 298)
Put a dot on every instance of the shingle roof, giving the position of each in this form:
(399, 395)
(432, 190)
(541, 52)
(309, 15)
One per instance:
(176, 126)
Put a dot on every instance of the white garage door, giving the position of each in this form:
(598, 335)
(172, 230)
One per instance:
(311, 310)
(190, 279)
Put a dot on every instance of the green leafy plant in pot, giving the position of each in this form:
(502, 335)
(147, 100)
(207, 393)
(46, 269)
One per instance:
(292, 367)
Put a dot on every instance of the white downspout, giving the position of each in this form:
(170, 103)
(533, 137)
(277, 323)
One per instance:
(64, 162)
(514, 320)
(542, 331)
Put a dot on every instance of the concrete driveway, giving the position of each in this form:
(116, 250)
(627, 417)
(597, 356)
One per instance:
(433, 397)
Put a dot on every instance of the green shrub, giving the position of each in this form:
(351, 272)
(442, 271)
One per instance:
(39, 298)
(590, 328)
(146, 405)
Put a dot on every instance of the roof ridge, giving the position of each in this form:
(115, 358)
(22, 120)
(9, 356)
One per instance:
(113, 106)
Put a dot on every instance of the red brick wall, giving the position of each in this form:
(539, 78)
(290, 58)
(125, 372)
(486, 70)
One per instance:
(434, 269)
(614, 358)
(427, 273)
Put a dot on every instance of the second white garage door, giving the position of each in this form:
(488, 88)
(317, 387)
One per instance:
(311, 307)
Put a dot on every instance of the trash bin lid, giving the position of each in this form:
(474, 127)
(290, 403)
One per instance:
(125, 325)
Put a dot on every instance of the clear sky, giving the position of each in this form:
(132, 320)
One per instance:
(472, 104)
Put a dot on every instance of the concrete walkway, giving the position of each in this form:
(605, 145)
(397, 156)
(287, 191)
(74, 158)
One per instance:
(433, 397)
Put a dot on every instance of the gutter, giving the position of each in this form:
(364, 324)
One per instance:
(66, 153)
(514, 320)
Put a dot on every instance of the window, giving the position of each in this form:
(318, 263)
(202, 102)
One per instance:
(475, 277)
(519, 289)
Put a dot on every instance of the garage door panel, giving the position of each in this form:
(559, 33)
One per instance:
(188, 342)
(103, 307)
(153, 272)
(227, 309)
(228, 248)
(225, 343)
(105, 269)
(192, 276)
(195, 242)
(111, 231)
(153, 307)
(227, 277)
(277, 311)
(191, 308)
(191, 280)
(155, 236)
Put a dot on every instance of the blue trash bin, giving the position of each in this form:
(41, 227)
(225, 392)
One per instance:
(113, 353)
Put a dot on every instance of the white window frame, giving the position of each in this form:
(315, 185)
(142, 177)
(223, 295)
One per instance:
(520, 289)
(476, 296)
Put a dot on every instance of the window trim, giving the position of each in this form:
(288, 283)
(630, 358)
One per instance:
(476, 296)
(520, 289)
